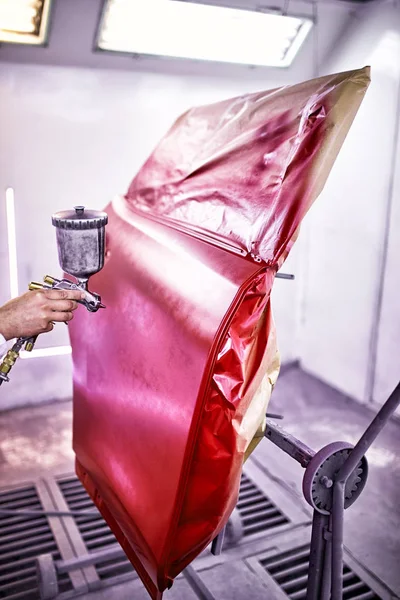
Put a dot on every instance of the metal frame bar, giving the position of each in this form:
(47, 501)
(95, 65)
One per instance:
(366, 440)
(65, 547)
(325, 580)
(197, 585)
(288, 443)
(72, 532)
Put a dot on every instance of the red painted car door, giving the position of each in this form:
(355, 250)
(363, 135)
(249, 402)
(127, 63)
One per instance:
(172, 380)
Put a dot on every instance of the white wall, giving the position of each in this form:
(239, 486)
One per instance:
(346, 257)
(387, 373)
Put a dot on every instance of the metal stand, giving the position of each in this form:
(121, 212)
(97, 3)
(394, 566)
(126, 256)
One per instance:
(333, 480)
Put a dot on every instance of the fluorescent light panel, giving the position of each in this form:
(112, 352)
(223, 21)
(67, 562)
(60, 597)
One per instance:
(44, 352)
(12, 243)
(201, 32)
(24, 21)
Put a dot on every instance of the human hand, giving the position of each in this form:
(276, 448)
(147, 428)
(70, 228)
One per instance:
(34, 312)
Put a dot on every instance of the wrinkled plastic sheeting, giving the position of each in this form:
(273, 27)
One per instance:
(247, 169)
(172, 384)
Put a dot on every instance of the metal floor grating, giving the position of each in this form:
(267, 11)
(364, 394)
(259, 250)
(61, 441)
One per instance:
(257, 511)
(290, 571)
(94, 530)
(22, 539)
(281, 564)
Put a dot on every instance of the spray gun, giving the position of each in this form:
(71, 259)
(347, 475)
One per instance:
(81, 248)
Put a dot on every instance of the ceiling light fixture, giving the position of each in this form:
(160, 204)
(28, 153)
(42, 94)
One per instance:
(24, 21)
(179, 29)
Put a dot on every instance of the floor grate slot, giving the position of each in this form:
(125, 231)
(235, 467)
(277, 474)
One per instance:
(22, 539)
(256, 509)
(290, 571)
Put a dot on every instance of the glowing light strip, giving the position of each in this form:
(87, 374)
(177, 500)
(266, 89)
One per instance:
(12, 242)
(42, 352)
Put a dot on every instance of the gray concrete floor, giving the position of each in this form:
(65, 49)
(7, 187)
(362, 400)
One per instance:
(37, 441)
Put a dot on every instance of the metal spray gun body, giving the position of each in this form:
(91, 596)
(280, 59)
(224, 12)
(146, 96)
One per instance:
(81, 249)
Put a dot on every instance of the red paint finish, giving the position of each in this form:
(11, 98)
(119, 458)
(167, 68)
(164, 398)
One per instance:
(168, 379)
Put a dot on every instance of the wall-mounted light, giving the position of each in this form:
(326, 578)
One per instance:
(24, 21)
(197, 31)
(12, 243)
(45, 352)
